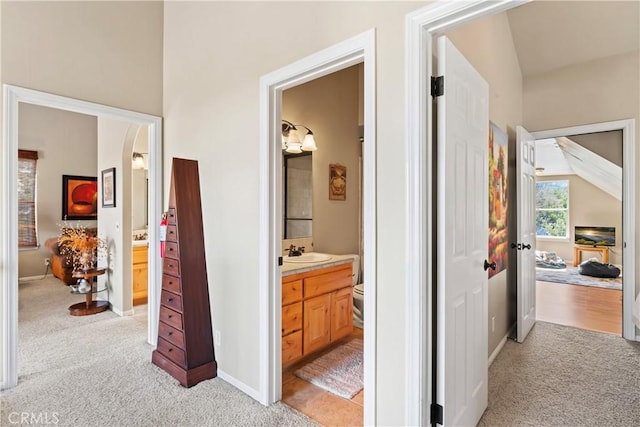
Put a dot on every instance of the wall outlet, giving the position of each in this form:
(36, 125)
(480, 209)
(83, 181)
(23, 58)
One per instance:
(217, 338)
(47, 262)
(493, 324)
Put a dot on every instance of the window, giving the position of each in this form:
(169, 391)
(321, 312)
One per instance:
(27, 235)
(552, 209)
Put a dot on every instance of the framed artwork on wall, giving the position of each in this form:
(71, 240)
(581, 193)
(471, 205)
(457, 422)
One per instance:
(337, 182)
(109, 188)
(79, 197)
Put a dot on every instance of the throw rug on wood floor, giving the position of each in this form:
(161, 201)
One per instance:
(571, 276)
(340, 371)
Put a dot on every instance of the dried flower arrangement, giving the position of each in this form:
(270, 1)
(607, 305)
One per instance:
(82, 246)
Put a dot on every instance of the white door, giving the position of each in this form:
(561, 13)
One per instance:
(526, 233)
(463, 224)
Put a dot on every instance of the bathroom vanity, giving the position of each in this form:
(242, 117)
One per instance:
(140, 274)
(316, 306)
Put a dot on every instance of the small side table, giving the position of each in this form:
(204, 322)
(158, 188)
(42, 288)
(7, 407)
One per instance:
(90, 306)
(577, 253)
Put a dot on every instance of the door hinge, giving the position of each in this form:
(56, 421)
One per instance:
(279, 260)
(437, 86)
(437, 414)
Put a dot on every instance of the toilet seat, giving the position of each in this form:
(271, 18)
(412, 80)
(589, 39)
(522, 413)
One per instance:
(359, 289)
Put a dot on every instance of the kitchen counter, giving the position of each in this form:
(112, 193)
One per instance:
(289, 268)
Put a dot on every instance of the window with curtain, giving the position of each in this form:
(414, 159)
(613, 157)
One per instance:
(27, 234)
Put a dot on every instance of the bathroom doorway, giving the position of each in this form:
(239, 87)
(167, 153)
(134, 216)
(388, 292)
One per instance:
(322, 330)
(359, 49)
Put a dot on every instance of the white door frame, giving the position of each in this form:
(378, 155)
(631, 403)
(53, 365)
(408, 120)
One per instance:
(12, 97)
(628, 206)
(421, 27)
(360, 48)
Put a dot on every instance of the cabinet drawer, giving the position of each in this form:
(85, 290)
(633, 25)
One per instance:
(172, 352)
(291, 292)
(172, 233)
(171, 216)
(291, 347)
(171, 300)
(291, 318)
(170, 334)
(171, 266)
(170, 317)
(171, 283)
(171, 250)
(324, 283)
(140, 255)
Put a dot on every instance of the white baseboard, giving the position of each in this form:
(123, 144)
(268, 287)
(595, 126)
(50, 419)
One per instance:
(250, 391)
(120, 312)
(499, 347)
(29, 278)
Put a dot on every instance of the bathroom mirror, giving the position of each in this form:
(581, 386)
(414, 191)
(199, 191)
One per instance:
(298, 195)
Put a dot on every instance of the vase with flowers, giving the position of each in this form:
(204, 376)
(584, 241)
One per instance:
(82, 246)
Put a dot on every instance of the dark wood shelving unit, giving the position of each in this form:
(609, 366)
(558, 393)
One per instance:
(185, 338)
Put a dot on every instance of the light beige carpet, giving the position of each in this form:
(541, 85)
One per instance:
(562, 376)
(96, 371)
(340, 371)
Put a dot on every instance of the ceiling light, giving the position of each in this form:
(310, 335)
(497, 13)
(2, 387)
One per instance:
(539, 171)
(291, 141)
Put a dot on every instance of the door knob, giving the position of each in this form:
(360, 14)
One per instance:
(526, 246)
(489, 266)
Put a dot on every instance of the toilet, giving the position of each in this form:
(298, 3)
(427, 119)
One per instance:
(358, 294)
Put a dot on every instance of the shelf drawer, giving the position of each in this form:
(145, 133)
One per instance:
(324, 283)
(291, 347)
(170, 317)
(172, 233)
(170, 334)
(171, 283)
(171, 216)
(172, 352)
(172, 250)
(291, 318)
(171, 266)
(291, 292)
(171, 300)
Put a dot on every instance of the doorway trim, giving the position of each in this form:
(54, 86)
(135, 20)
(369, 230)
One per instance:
(627, 127)
(360, 48)
(12, 97)
(421, 27)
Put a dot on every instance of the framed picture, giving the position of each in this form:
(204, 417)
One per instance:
(109, 188)
(337, 182)
(79, 197)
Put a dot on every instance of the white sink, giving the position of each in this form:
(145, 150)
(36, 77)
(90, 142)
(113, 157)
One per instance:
(308, 257)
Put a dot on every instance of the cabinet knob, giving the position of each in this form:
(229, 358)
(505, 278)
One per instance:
(169, 299)
(170, 350)
(170, 333)
(170, 316)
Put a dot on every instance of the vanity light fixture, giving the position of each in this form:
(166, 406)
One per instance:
(137, 162)
(539, 171)
(291, 141)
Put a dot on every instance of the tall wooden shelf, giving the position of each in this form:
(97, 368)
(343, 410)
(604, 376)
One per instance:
(185, 339)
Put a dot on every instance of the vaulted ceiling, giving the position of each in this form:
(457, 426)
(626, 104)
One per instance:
(552, 34)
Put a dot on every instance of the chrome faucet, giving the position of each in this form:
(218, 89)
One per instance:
(295, 252)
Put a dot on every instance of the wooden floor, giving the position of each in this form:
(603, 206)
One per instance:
(585, 307)
(318, 404)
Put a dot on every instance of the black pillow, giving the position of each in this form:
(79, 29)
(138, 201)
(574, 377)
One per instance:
(598, 269)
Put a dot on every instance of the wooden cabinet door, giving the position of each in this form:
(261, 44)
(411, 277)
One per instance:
(341, 313)
(139, 275)
(316, 332)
